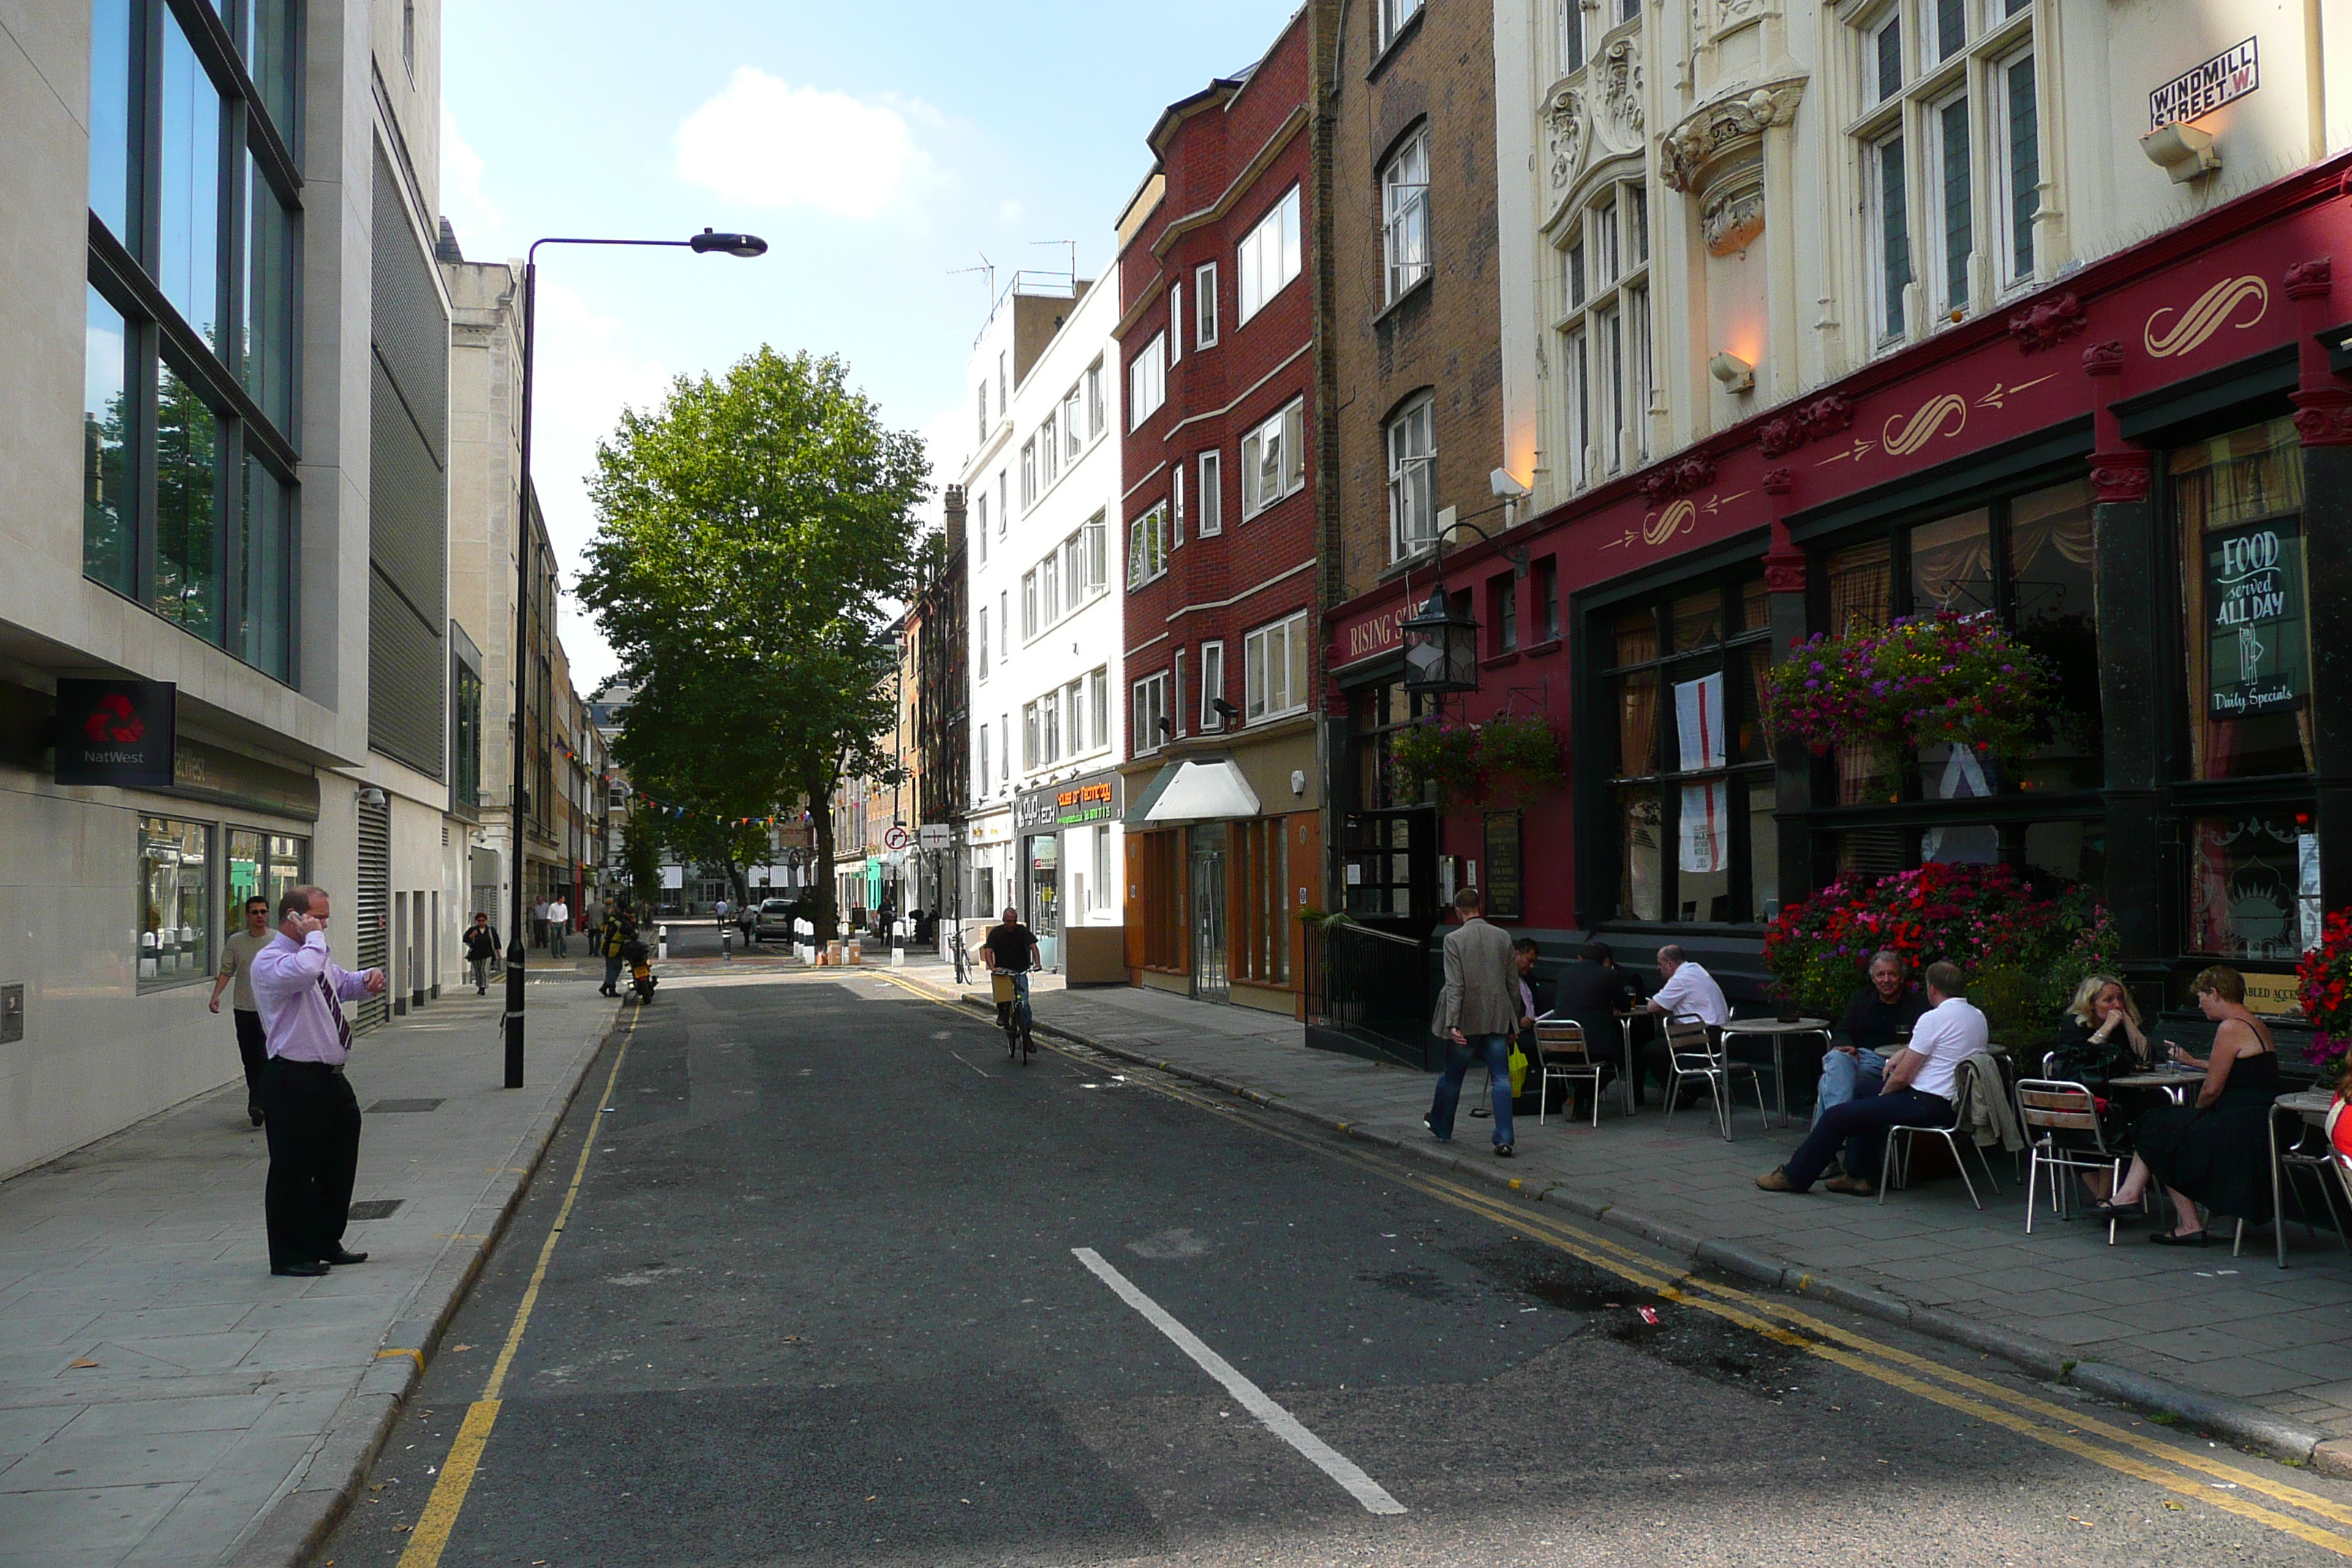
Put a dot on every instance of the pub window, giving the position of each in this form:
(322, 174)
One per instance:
(2253, 889)
(1503, 611)
(2239, 501)
(2026, 559)
(1547, 578)
(1377, 714)
(1691, 779)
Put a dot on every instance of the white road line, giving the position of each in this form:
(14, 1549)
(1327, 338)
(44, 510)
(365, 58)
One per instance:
(1273, 1416)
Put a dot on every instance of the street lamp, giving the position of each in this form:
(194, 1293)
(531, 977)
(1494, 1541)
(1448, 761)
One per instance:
(706, 243)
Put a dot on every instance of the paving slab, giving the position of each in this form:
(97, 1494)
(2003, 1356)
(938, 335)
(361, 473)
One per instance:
(160, 1390)
(2197, 1317)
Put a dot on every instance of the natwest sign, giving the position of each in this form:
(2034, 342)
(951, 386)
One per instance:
(116, 732)
(1370, 634)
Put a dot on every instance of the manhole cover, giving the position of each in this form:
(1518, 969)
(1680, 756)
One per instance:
(396, 1105)
(375, 1208)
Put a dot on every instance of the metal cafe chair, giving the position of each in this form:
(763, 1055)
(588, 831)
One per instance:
(1895, 1162)
(1562, 1049)
(2320, 1161)
(2062, 1118)
(1693, 1050)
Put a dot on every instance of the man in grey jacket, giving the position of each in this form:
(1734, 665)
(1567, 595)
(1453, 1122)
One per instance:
(1477, 1014)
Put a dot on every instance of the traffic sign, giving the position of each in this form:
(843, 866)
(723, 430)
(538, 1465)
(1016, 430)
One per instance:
(935, 834)
(897, 837)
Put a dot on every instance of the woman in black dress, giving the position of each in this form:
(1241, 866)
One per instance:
(2218, 1152)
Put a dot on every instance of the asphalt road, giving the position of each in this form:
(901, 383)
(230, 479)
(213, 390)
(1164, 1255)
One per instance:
(819, 1297)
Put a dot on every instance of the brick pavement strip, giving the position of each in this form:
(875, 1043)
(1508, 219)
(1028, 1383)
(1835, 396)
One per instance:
(2066, 1306)
(164, 1398)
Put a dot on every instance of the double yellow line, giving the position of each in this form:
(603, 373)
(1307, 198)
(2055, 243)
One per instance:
(431, 1536)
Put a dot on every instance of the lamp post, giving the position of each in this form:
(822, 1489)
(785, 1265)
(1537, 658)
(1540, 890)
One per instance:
(1441, 647)
(518, 942)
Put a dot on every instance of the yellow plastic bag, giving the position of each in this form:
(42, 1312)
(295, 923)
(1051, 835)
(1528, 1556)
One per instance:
(1518, 1070)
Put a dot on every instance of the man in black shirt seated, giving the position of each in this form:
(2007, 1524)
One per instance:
(1592, 992)
(1881, 1014)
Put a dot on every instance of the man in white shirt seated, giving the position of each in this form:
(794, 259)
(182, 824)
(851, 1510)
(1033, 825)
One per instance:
(1916, 1091)
(1684, 990)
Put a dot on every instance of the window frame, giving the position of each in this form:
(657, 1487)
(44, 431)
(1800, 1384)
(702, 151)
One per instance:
(1390, 18)
(1147, 546)
(1148, 737)
(1147, 381)
(1258, 688)
(1406, 254)
(1279, 226)
(1287, 426)
(1411, 471)
(1204, 305)
(1213, 685)
(1211, 493)
(1602, 331)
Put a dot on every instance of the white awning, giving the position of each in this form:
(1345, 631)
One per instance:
(1202, 792)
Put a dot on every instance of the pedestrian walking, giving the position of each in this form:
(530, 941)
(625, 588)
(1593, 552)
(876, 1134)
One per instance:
(719, 913)
(559, 925)
(236, 963)
(481, 951)
(538, 922)
(592, 913)
(312, 1114)
(615, 934)
(1477, 1014)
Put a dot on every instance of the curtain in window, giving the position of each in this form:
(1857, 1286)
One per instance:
(1860, 585)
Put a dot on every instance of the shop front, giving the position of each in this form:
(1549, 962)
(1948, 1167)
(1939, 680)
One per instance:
(1222, 851)
(1069, 838)
(2140, 475)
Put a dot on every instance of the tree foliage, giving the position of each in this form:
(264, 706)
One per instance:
(755, 534)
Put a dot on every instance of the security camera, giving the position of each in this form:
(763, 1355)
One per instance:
(1501, 482)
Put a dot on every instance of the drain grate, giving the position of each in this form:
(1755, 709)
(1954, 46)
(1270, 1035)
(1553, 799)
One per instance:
(394, 1105)
(375, 1208)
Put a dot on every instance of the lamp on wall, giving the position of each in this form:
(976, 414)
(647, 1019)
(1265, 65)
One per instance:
(2181, 151)
(1441, 647)
(1736, 374)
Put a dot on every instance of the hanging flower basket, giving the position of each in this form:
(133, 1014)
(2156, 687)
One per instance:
(1943, 678)
(1439, 753)
(2326, 974)
(1524, 748)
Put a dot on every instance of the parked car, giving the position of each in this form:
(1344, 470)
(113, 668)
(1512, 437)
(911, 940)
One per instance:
(772, 919)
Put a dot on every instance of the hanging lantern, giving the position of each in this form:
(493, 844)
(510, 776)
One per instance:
(1441, 647)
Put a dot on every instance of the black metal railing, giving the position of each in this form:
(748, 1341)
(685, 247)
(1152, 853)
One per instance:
(1368, 994)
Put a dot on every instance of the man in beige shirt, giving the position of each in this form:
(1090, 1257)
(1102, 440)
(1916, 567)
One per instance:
(236, 963)
(1477, 1014)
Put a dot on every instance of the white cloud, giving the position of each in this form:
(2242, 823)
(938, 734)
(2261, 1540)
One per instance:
(765, 142)
(482, 230)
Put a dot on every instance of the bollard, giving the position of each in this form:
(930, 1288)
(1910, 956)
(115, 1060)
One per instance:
(727, 942)
(661, 941)
(898, 956)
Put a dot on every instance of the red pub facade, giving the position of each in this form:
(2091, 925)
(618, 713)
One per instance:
(2081, 464)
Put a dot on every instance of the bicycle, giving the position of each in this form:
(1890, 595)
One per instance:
(1011, 991)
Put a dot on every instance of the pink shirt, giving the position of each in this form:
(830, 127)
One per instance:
(301, 991)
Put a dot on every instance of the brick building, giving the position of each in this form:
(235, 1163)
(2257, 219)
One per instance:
(1218, 301)
(1415, 387)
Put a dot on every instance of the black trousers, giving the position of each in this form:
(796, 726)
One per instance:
(313, 1121)
(252, 1050)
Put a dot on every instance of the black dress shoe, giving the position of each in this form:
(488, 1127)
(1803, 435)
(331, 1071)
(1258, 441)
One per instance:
(340, 1256)
(310, 1269)
(1503, 1151)
(255, 1112)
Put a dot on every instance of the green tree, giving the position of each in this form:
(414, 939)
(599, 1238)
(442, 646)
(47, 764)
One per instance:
(755, 532)
(641, 848)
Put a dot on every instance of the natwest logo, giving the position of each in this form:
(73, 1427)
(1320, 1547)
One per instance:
(115, 719)
(119, 733)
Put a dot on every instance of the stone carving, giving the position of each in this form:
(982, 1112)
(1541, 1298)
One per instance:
(1779, 481)
(1824, 415)
(2104, 359)
(1730, 14)
(2324, 418)
(1668, 480)
(1784, 573)
(1731, 214)
(1565, 137)
(1718, 129)
(1617, 117)
(2048, 325)
(2310, 279)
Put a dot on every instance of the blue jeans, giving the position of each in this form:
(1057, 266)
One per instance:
(1005, 1010)
(1861, 1124)
(612, 971)
(1842, 1076)
(1495, 1051)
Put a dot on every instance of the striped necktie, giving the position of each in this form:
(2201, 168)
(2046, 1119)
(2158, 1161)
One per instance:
(335, 1011)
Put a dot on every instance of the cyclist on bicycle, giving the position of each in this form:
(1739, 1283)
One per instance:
(1011, 948)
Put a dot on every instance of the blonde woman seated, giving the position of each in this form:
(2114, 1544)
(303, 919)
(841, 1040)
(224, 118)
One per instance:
(2101, 1039)
(2216, 1152)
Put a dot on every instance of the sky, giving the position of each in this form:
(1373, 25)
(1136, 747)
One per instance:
(877, 148)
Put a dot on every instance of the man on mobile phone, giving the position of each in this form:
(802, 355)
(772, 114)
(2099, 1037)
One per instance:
(312, 1114)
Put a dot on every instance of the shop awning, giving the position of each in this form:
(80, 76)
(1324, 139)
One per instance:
(1193, 792)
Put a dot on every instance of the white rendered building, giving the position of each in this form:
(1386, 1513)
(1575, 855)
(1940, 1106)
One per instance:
(1042, 490)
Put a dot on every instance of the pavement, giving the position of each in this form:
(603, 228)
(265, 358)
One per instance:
(2235, 1344)
(164, 1398)
(817, 1275)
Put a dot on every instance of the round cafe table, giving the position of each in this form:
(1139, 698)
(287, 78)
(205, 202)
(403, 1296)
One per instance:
(1778, 1031)
(2175, 1082)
